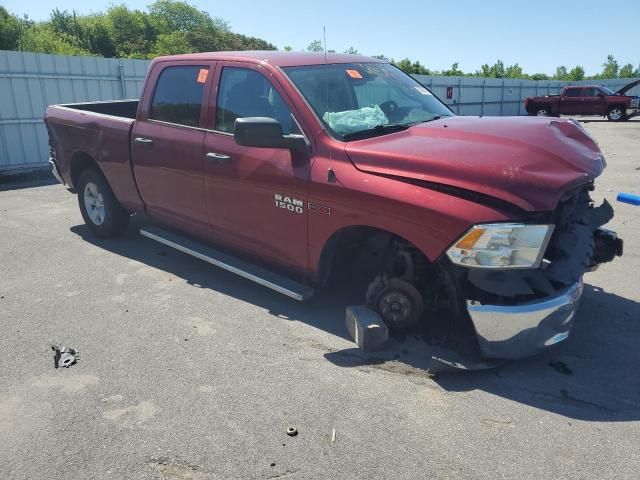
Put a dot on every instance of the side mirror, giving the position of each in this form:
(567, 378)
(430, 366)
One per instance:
(601, 95)
(265, 132)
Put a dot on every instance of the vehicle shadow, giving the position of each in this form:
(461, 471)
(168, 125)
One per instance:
(18, 182)
(604, 120)
(324, 311)
(592, 376)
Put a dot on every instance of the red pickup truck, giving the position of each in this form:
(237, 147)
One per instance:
(294, 170)
(587, 100)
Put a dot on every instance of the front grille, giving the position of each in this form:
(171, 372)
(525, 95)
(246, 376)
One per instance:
(571, 247)
(566, 259)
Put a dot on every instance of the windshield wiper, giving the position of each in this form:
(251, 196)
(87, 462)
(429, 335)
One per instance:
(437, 117)
(378, 129)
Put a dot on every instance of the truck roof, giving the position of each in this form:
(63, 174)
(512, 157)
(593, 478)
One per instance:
(273, 57)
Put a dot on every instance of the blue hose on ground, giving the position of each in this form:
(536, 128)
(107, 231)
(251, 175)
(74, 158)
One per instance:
(628, 198)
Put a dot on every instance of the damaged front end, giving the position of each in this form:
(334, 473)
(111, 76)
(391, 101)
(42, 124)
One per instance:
(517, 312)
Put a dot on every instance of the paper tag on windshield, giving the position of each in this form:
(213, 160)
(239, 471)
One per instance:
(202, 75)
(354, 74)
(423, 90)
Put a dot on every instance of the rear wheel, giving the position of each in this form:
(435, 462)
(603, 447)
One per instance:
(616, 114)
(99, 207)
(542, 111)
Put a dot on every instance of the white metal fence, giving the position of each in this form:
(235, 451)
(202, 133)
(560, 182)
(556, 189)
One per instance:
(497, 96)
(29, 82)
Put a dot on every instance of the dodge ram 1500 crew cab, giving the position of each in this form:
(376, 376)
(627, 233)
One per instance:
(293, 169)
(587, 100)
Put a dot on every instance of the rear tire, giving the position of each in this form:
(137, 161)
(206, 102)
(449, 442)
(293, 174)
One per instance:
(543, 111)
(616, 114)
(99, 207)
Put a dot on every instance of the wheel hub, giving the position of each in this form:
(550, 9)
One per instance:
(395, 306)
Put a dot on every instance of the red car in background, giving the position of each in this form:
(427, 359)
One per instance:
(587, 100)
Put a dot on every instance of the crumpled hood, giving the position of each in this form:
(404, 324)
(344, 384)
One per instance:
(527, 161)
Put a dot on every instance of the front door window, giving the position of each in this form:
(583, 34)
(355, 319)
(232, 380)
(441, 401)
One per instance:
(247, 93)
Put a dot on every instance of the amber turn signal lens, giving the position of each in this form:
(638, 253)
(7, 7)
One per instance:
(470, 239)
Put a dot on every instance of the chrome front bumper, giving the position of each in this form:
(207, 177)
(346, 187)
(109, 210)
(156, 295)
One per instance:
(521, 330)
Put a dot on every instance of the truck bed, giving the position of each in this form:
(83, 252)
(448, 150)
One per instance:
(118, 108)
(98, 132)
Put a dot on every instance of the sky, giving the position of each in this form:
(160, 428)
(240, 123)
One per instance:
(539, 35)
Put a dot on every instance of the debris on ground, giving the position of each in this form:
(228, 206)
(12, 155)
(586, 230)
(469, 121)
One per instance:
(333, 435)
(64, 357)
(366, 328)
(292, 431)
(561, 367)
(446, 360)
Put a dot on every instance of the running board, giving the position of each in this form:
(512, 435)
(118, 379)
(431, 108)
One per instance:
(274, 281)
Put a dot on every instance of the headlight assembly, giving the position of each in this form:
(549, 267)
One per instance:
(501, 245)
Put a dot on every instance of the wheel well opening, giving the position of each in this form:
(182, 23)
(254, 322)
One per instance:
(360, 259)
(80, 161)
(358, 253)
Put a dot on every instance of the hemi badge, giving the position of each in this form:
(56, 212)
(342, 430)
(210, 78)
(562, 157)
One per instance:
(319, 208)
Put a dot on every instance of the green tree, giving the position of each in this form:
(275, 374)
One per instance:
(96, 32)
(626, 71)
(561, 73)
(171, 44)
(63, 22)
(497, 70)
(167, 27)
(287, 48)
(454, 71)
(514, 71)
(576, 73)
(315, 46)
(9, 30)
(352, 51)
(539, 76)
(170, 16)
(485, 70)
(131, 32)
(42, 38)
(610, 68)
(410, 67)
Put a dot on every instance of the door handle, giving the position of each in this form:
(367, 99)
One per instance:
(218, 157)
(146, 141)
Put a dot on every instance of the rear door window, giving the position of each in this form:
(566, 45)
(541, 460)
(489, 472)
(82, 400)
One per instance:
(590, 92)
(178, 95)
(574, 92)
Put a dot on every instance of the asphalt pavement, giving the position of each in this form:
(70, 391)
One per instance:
(188, 372)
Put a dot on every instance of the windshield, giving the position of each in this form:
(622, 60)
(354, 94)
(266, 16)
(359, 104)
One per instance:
(365, 98)
(606, 91)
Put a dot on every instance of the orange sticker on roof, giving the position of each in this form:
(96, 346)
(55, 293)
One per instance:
(202, 75)
(354, 74)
